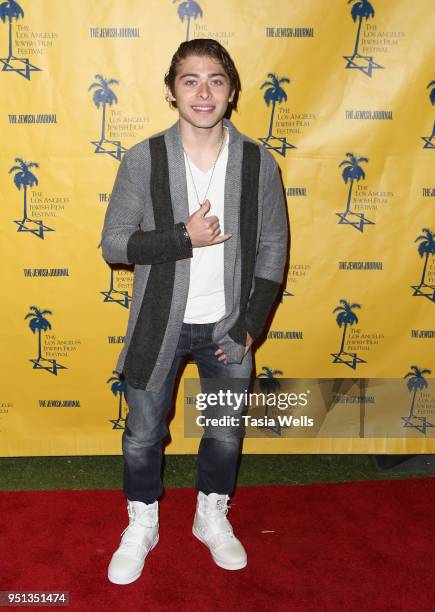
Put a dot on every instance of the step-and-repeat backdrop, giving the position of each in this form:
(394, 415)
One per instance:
(343, 95)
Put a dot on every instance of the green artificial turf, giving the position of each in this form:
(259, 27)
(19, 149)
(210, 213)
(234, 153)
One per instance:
(105, 472)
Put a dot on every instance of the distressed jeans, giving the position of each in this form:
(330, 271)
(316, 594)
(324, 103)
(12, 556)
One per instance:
(146, 422)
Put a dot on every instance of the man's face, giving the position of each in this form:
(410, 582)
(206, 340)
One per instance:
(201, 91)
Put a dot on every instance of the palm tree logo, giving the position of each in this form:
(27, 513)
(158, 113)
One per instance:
(275, 94)
(103, 96)
(186, 10)
(415, 383)
(269, 384)
(39, 323)
(346, 317)
(361, 9)
(117, 388)
(24, 178)
(352, 172)
(429, 140)
(426, 249)
(123, 298)
(10, 10)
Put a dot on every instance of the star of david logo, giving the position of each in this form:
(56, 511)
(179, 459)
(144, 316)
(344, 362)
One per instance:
(20, 65)
(363, 63)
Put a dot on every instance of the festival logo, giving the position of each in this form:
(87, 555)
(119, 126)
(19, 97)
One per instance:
(39, 323)
(119, 294)
(103, 96)
(346, 317)
(361, 9)
(353, 172)
(24, 178)
(275, 94)
(284, 294)
(269, 384)
(416, 383)
(187, 10)
(191, 12)
(426, 249)
(117, 388)
(297, 272)
(10, 11)
(429, 141)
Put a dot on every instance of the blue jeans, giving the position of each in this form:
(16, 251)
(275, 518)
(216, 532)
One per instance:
(146, 423)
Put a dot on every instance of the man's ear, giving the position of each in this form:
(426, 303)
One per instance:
(169, 95)
(231, 98)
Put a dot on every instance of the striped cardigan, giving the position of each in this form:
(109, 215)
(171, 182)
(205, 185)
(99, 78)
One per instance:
(144, 225)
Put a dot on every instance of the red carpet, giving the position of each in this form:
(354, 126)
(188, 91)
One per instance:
(337, 547)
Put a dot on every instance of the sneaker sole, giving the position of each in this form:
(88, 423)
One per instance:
(223, 564)
(135, 576)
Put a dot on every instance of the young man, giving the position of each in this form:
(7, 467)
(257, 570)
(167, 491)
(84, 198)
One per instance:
(199, 210)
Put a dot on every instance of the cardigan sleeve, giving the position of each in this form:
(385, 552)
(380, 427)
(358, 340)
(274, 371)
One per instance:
(271, 256)
(123, 241)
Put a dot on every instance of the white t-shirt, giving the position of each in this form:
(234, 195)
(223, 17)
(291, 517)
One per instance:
(206, 298)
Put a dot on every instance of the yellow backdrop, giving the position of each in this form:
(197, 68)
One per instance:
(343, 95)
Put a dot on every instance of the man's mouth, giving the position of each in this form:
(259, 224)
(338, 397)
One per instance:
(203, 109)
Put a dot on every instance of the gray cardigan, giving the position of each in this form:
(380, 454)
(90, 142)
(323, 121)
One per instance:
(144, 225)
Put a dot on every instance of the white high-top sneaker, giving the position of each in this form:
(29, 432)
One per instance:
(212, 527)
(138, 538)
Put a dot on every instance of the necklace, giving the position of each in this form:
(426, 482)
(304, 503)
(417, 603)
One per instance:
(212, 172)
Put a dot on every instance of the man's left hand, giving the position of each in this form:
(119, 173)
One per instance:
(222, 356)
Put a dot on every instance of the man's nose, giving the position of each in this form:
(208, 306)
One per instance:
(203, 90)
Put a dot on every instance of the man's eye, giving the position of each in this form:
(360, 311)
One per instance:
(190, 82)
(217, 82)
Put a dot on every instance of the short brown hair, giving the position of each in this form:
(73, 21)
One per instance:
(209, 48)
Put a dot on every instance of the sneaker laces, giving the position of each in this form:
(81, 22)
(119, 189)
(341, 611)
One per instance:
(134, 531)
(219, 527)
(223, 506)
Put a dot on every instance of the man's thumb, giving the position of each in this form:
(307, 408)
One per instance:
(205, 207)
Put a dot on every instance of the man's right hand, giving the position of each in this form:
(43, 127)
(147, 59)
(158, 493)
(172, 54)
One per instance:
(204, 231)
